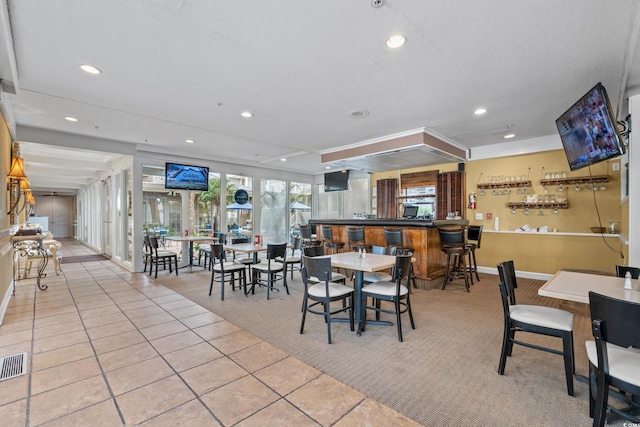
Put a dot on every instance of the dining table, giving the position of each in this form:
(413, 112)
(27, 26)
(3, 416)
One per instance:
(575, 286)
(191, 240)
(368, 264)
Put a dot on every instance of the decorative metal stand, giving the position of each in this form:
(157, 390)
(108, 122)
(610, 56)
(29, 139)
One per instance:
(31, 246)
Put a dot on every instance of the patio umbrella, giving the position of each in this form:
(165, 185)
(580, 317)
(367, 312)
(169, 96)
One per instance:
(297, 206)
(245, 207)
(238, 206)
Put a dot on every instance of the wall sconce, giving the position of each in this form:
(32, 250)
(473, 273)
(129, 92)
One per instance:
(15, 177)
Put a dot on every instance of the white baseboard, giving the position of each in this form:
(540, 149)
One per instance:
(523, 274)
(6, 299)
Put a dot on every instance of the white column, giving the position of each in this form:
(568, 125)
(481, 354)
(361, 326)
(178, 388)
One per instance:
(634, 183)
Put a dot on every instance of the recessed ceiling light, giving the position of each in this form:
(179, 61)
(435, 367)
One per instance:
(283, 160)
(395, 41)
(90, 69)
(246, 114)
(509, 135)
(189, 141)
(71, 119)
(480, 111)
(358, 114)
(327, 167)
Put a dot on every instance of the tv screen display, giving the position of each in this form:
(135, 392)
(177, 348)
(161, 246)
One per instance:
(410, 212)
(588, 130)
(336, 181)
(186, 177)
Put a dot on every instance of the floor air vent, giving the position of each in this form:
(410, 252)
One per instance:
(13, 366)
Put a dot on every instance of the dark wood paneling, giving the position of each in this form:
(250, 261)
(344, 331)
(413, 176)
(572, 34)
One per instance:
(418, 179)
(450, 196)
(387, 198)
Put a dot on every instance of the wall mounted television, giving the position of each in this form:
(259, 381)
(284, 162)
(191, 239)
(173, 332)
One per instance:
(589, 131)
(186, 177)
(336, 181)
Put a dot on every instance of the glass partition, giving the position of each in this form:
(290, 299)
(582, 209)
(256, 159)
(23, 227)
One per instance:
(299, 205)
(239, 216)
(274, 209)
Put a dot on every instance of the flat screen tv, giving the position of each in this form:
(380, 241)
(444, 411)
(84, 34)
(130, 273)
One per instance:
(410, 212)
(588, 130)
(336, 181)
(186, 177)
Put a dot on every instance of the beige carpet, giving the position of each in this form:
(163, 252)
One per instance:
(443, 374)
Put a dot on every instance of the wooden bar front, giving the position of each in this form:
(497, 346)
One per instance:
(422, 236)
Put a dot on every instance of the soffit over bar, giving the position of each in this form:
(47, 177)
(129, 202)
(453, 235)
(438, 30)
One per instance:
(402, 152)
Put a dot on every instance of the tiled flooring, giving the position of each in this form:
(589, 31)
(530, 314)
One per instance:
(107, 347)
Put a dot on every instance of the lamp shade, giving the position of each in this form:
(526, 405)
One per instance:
(24, 185)
(17, 169)
(30, 199)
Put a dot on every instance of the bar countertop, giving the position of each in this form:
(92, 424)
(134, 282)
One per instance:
(391, 222)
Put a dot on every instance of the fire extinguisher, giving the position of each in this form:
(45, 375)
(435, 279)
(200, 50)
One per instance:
(472, 200)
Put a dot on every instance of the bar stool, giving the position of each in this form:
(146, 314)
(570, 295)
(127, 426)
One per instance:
(474, 234)
(355, 236)
(330, 245)
(307, 236)
(452, 243)
(393, 239)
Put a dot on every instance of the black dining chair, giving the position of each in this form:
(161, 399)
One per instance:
(621, 271)
(320, 289)
(268, 273)
(157, 256)
(534, 319)
(225, 270)
(328, 241)
(614, 359)
(293, 261)
(396, 292)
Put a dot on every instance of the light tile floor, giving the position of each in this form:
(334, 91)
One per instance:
(107, 347)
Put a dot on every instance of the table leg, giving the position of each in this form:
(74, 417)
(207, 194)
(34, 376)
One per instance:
(191, 256)
(359, 306)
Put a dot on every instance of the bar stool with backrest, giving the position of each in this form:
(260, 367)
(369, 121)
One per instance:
(307, 236)
(474, 235)
(452, 243)
(393, 239)
(355, 236)
(330, 245)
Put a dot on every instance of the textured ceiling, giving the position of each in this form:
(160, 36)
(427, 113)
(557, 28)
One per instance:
(185, 69)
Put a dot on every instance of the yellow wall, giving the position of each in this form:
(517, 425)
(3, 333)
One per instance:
(543, 253)
(6, 251)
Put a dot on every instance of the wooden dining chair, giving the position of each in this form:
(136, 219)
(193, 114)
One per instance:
(268, 273)
(533, 319)
(395, 291)
(614, 360)
(320, 290)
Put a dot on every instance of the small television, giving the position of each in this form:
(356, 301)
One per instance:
(410, 212)
(186, 177)
(336, 181)
(588, 130)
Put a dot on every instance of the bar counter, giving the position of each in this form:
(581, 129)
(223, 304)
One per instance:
(421, 235)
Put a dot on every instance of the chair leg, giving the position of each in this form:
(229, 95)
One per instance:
(351, 317)
(602, 397)
(327, 316)
(505, 350)
(446, 271)
(413, 325)
(304, 312)
(569, 366)
(398, 319)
